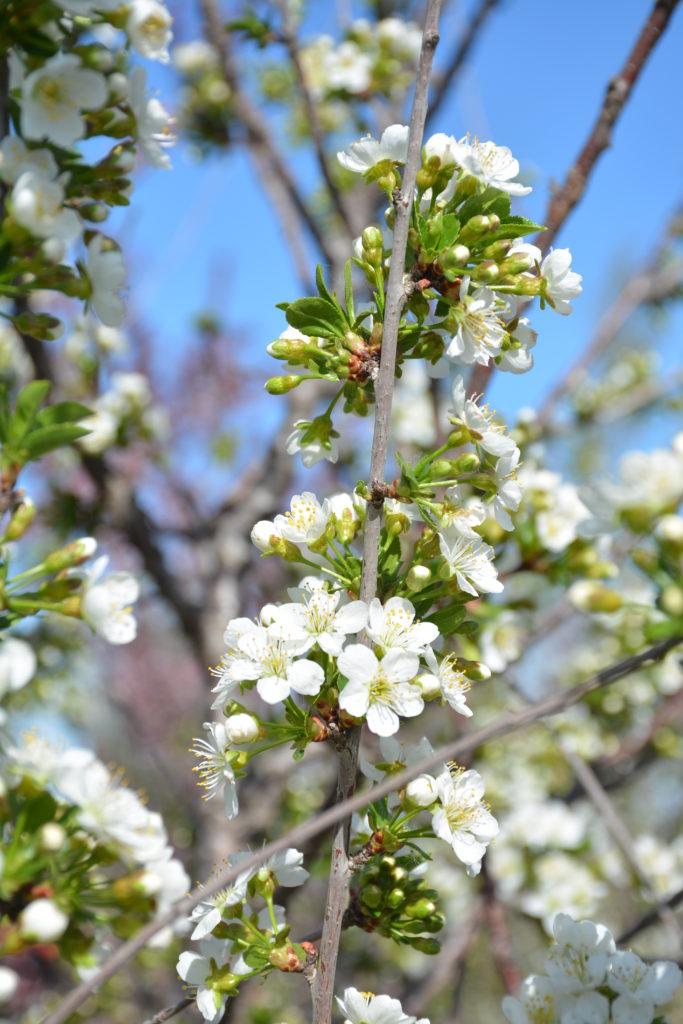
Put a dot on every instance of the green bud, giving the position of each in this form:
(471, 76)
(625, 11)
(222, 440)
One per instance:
(468, 462)
(473, 669)
(487, 272)
(41, 326)
(434, 923)
(288, 348)
(73, 554)
(458, 437)
(645, 560)
(420, 908)
(516, 264)
(96, 213)
(372, 896)
(430, 346)
(476, 227)
(497, 250)
(418, 577)
(281, 385)
(372, 238)
(21, 519)
(449, 259)
(354, 343)
(395, 898)
(589, 596)
(441, 468)
(424, 945)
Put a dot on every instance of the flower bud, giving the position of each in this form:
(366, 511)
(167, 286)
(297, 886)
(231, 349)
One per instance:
(292, 349)
(354, 343)
(451, 259)
(9, 982)
(372, 238)
(73, 554)
(21, 519)
(486, 272)
(281, 385)
(516, 264)
(264, 535)
(51, 837)
(290, 959)
(43, 921)
(418, 577)
(429, 686)
(594, 597)
(395, 898)
(41, 326)
(672, 600)
(420, 791)
(475, 228)
(426, 945)
(242, 728)
(468, 462)
(497, 250)
(670, 530)
(420, 908)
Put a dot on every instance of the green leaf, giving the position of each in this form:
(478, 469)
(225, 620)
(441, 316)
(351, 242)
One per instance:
(491, 200)
(46, 439)
(62, 412)
(448, 619)
(323, 290)
(29, 401)
(4, 414)
(317, 318)
(39, 811)
(515, 227)
(451, 230)
(348, 291)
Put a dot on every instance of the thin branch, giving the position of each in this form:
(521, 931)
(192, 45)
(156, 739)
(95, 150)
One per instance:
(461, 53)
(170, 1011)
(349, 742)
(650, 917)
(565, 199)
(289, 37)
(258, 131)
(618, 92)
(506, 724)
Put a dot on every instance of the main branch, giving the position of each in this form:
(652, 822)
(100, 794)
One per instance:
(340, 871)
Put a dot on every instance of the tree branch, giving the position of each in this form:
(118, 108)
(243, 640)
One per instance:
(170, 1011)
(506, 724)
(349, 742)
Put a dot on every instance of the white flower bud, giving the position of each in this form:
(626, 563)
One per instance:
(670, 529)
(418, 577)
(241, 728)
(43, 921)
(420, 792)
(268, 614)
(52, 837)
(9, 980)
(118, 86)
(429, 686)
(261, 534)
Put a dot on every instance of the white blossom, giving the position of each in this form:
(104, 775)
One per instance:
(366, 1008)
(517, 358)
(321, 618)
(500, 641)
(392, 627)
(53, 96)
(479, 421)
(491, 164)
(107, 602)
(462, 819)
(481, 332)
(267, 654)
(37, 204)
(379, 690)
(43, 921)
(286, 867)
(149, 29)
(535, 1005)
(313, 449)
(348, 68)
(241, 728)
(305, 521)
(579, 959)
(561, 283)
(152, 121)
(508, 493)
(216, 774)
(196, 968)
(557, 527)
(450, 681)
(107, 274)
(361, 156)
(16, 158)
(18, 664)
(470, 561)
(103, 428)
(641, 987)
(195, 57)
(209, 913)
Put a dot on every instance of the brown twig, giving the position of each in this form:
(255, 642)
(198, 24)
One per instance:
(170, 1011)
(258, 132)
(650, 917)
(564, 200)
(460, 54)
(340, 868)
(458, 748)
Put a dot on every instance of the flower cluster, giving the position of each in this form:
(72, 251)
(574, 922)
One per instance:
(588, 979)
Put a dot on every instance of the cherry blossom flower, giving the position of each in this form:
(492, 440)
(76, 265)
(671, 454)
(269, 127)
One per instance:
(321, 618)
(107, 274)
(560, 282)
(363, 155)
(462, 819)
(286, 867)
(152, 122)
(366, 1008)
(107, 602)
(471, 562)
(149, 29)
(379, 690)
(196, 970)
(209, 913)
(393, 628)
(579, 959)
(216, 774)
(306, 520)
(314, 440)
(480, 332)
(18, 664)
(53, 96)
(479, 422)
(641, 987)
(491, 164)
(37, 204)
(450, 681)
(535, 1005)
(508, 493)
(16, 158)
(267, 654)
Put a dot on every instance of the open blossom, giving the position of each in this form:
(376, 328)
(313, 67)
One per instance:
(306, 520)
(348, 68)
(149, 29)
(53, 97)
(321, 618)
(558, 526)
(508, 493)
(209, 913)
(579, 959)
(314, 441)
(479, 422)
(471, 562)
(16, 157)
(366, 1008)
(37, 204)
(449, 680)
(267, 654)
(285, 867)
(107, 603)
(393, 627)
(380, 690)
(462, 819)
(152, 121)
(363, 155)
(107, 274)
(216, 774)
(536, 1003)
(481, 331)
(641, 987)
(196, 969)
(18, 664)
(491, 164)
(561, 283)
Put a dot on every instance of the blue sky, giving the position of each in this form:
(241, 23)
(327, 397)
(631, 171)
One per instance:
(203, 236)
